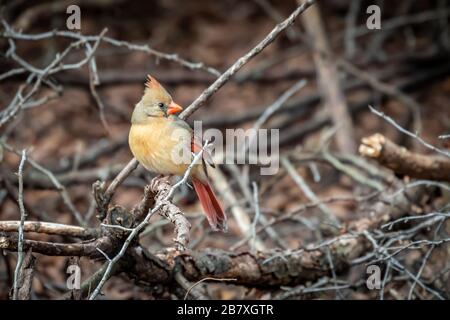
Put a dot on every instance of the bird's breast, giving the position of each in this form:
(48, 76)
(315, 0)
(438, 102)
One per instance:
(160, 147)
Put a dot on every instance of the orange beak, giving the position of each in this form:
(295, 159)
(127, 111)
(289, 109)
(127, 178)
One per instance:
(174, 108)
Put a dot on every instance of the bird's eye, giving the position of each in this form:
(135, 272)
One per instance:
(161, 105)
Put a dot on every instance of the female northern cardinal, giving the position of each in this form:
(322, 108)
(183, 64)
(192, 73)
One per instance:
(156, 137)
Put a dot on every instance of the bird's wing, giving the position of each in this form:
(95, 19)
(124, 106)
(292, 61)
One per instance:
(196, 147)
(196, 143)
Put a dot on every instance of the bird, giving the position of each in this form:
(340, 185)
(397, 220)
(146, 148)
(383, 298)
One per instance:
(166, 145)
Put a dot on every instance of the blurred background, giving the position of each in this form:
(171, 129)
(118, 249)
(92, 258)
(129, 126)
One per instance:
(76, 121)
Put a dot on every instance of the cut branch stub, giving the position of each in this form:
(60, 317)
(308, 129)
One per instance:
(402, 161)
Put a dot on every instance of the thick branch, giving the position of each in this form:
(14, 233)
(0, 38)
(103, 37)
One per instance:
(9, 242)
(259, 269)
(402, 161)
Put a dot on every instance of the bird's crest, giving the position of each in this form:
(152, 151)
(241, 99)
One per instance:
(152, 83)
(154, 91)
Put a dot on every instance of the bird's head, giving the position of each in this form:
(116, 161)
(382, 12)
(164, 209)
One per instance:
(156, 102)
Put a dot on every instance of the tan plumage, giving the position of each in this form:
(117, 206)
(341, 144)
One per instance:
(152, 143)
(164, 144)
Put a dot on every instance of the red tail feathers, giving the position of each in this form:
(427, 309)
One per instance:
(211, 206)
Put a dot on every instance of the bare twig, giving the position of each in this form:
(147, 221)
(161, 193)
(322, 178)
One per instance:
(48, 228)
(40, 74)
(93, 82)
(352, 172)
(272, 109)
(351, 19)
(408, 133)
(242, 218)
(292, 33)
(387, 89)
(257, 215)
(10, 33)
(23, 216)
(186, 285)
(61, 189)
(203, 280)
(326, 211)
(244, 59)
(243, 185)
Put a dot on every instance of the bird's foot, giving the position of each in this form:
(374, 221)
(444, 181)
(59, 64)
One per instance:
(160, 178)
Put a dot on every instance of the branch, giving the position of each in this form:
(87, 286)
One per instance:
(171, 212)
(408, 133)
(23, 216)
(104, 197)
(55, 66)
(61, 189)
(402, 161)
(327, 214)
(387, 89)
(328, 80)
(10, 242)
(244, 59)
(49, 228)
(10, 33)
(240, 215)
